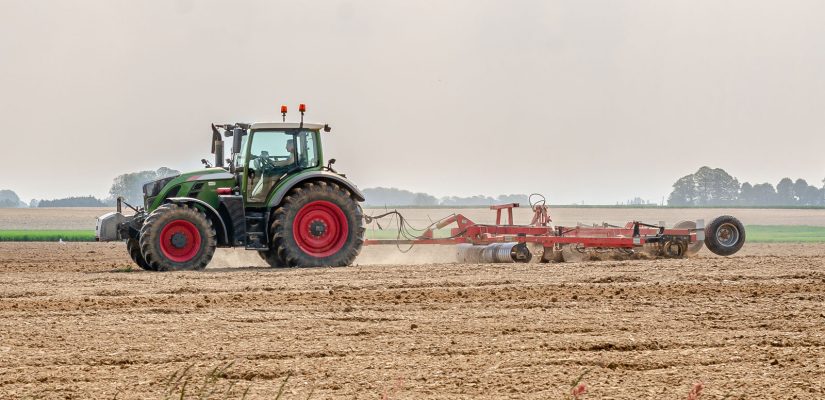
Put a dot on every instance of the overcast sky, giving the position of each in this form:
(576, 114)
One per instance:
(594, 101)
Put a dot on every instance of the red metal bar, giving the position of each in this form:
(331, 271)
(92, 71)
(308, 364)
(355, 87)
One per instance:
(509, 207)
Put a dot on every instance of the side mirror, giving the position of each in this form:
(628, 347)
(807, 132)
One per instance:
(327, 128)
(329, 164)
(237, 137)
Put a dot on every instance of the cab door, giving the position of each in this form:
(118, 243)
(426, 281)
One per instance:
(271, 154)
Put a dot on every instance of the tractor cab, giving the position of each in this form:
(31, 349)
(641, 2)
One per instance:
(271, 152)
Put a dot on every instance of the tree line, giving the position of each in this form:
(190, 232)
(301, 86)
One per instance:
(381, 196)
(715, 187)
(128, 185)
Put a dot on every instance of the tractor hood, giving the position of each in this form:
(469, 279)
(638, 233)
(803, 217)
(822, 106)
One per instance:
(190, 184)
(207, 174)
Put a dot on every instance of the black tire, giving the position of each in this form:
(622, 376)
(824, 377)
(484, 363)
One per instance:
(334, 206)
(133, 247)
(188, 244)
(725, 235)
(694, 248)
(271, 257)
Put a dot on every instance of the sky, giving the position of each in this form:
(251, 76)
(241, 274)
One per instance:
(583, 101)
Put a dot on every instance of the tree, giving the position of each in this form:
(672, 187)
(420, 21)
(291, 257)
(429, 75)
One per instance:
(130, 185)
(764, 195)
(424, 199)
(715, 187)
(397, 197)
(746, 194)
(78, 201)
(684, 192)
(707, 187)
(514, 198)
(477, 200)
(9, 199)
(784, 192)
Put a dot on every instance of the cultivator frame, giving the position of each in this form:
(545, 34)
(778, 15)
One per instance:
(505, 241)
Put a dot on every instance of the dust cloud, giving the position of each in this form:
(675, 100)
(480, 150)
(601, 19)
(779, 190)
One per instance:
(236, 258)
(419, 254)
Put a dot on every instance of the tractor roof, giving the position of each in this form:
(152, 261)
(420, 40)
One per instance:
(286, 125)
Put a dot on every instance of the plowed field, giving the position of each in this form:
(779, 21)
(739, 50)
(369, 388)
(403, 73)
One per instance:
(75, 323)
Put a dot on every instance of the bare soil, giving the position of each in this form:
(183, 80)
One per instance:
(74, 325)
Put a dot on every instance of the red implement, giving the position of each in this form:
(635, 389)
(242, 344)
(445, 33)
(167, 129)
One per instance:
(493, 243)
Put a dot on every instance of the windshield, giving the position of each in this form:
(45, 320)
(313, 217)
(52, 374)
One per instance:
(272, 154)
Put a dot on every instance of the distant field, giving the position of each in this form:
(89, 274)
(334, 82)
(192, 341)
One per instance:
(755, 234)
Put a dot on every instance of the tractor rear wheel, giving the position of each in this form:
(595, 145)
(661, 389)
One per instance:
(317, 224)
(725, 235)
(694, 248)
(271, 257)
(133, 247)
(177, 238)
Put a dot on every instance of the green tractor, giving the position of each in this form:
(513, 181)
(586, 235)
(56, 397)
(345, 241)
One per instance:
(274, 195)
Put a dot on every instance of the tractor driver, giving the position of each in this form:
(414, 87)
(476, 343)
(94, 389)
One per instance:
(279, 161)
(290, 148)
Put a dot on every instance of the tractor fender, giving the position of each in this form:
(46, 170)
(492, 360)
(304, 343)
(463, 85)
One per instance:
(211, 213)
(318, 175)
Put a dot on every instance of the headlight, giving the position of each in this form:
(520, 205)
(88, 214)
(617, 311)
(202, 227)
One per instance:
(153, 188)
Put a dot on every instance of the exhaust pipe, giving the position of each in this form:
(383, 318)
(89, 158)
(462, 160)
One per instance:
(493, 253)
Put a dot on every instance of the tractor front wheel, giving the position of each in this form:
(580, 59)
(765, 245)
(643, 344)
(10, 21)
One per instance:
(317, 224)
(177, 238)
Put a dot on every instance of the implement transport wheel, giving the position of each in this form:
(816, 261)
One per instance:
(693, 248)
(725, 235)
(133, 247)
(177, 237)
(317, 224)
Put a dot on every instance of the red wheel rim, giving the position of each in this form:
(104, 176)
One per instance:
(180, 240)
(320, 228)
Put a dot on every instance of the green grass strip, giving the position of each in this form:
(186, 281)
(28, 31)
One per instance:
(47, 236)
(784, 234)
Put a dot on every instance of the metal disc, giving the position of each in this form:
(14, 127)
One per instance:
(692, 248)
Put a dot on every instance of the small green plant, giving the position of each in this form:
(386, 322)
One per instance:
(283, 385)
(183, 385)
